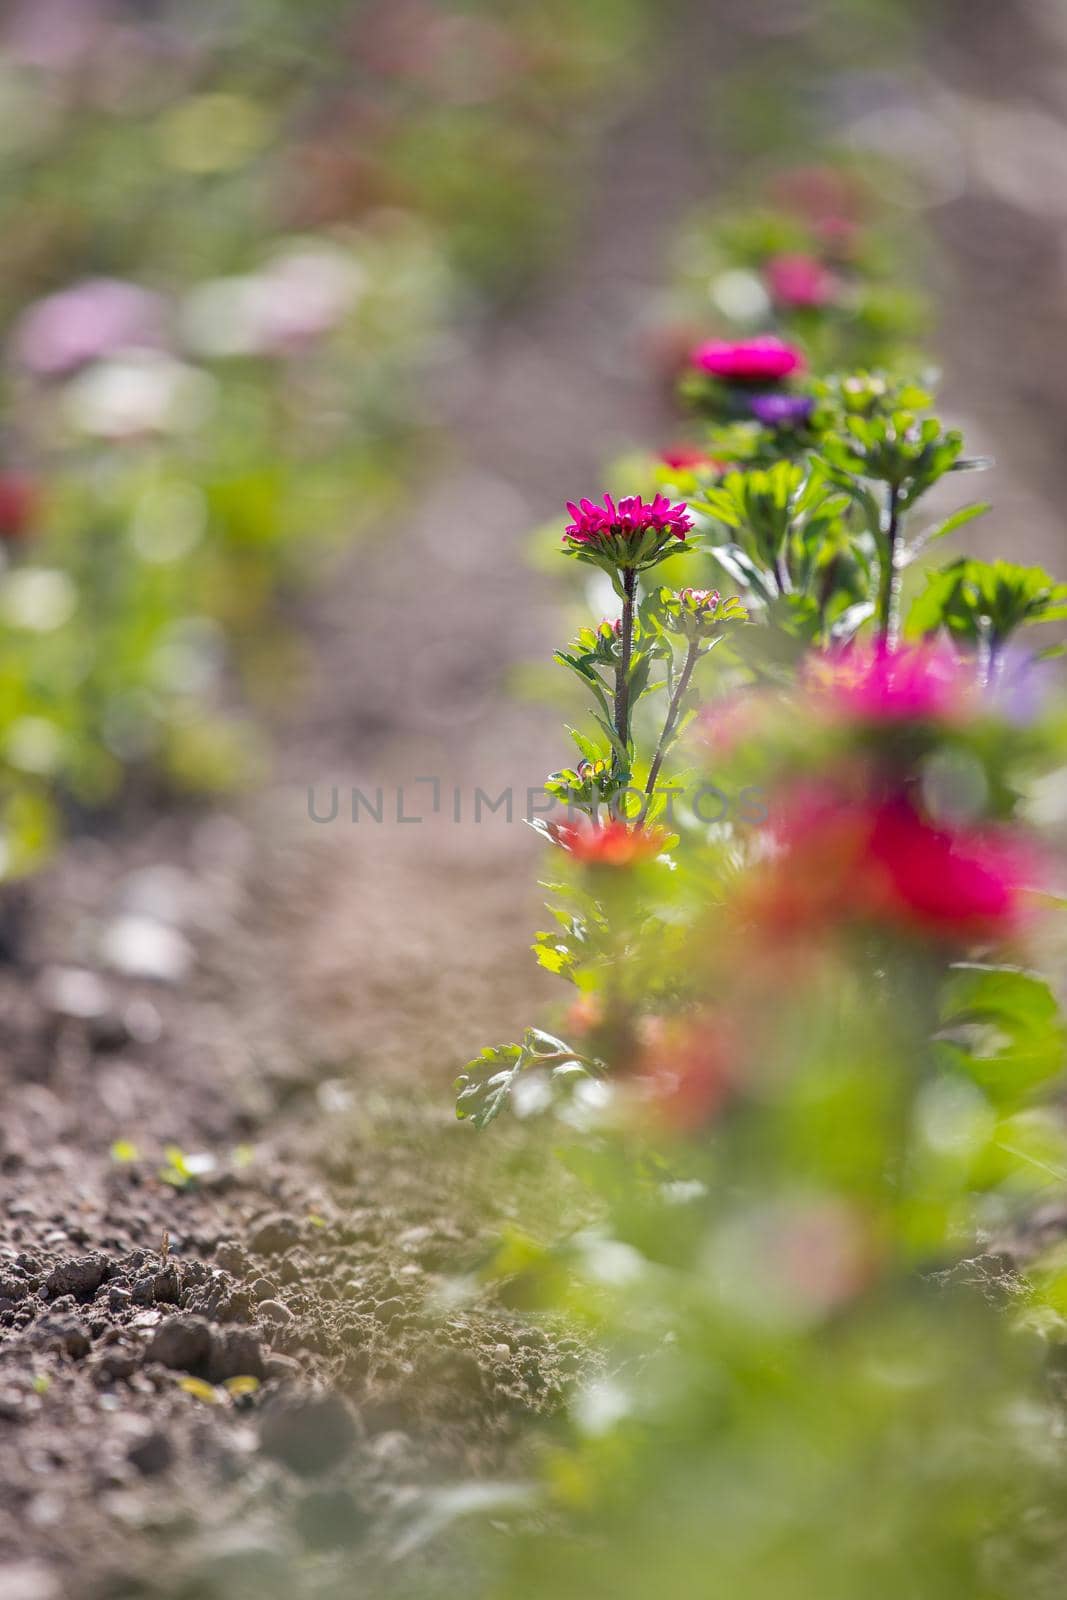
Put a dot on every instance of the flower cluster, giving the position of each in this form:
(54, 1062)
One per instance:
(631, 533)
(766, 359)
(842, 862)
(612, 844)
(801, 281)
(919, 683)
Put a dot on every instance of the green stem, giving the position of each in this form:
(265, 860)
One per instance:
(671, 722)
(826, 590)
(889, 595)
(622, 671)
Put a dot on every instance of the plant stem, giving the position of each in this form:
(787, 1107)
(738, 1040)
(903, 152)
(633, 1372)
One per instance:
(622, 671)
(889, 596)
(673, 711)
(990, 647)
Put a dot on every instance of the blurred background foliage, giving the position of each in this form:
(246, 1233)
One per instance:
(241, 237)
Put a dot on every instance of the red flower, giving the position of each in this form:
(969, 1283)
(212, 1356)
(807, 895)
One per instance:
(18, 506)
(631, 519)
(940, 881)
(765, 359)
(612, 844)
(843, 861)
(689, 458)
(800, 281)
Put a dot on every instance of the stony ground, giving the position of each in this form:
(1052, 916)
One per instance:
(266, 1370)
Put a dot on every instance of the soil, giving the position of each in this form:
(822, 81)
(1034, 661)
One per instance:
(265, 1371)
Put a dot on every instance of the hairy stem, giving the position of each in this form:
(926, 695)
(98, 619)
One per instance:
(622, 671)
(889, 595)
(671, 722)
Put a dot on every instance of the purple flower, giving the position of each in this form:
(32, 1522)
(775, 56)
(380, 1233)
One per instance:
(95, 318)
(782, 410)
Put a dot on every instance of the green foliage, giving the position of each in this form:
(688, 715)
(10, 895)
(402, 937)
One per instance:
(986, 602)
(489, 1082)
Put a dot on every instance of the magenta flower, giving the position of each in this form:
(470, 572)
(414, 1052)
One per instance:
(633, 533)
(765, 359)
(922, 683)
(842, 861)
(800, 282)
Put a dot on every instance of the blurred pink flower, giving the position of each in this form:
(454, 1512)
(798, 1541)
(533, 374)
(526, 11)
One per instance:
(632, 518)
(918, 683)
(818, 193)
(763, 359)
(53, 34)
(843, 861)
(95, 318)
(959, 881)
(800, 281)
(684, 1075)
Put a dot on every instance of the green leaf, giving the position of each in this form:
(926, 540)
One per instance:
(1005, 1027)
(483, 1090)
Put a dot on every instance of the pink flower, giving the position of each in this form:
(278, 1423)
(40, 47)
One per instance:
(96, 318)
(845, 861)
(631, 519)
(800, 281)
(818, 193)
(765, 359)
(684, 1074)
(611, 844)
(701, 602)
(920, 683)
(941, 881)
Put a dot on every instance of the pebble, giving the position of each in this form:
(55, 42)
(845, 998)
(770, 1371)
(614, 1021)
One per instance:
(308, 1435)
(236, 1353)
(182, 1343)
(274, 1311)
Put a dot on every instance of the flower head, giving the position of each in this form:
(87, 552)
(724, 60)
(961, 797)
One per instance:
(611, 844)
(919, 683)
(689, 458)
(86, 322)
(843, 861)
(701, 602)
(800, 282)
(632, 533)
(782, 410)
(764, 359)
